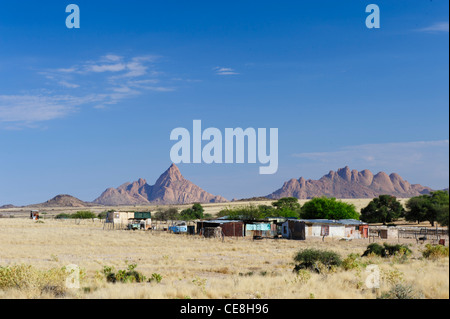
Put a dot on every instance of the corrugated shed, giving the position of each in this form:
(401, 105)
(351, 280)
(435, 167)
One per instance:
(229, 227)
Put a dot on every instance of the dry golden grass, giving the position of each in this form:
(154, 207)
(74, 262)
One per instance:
(194, 267)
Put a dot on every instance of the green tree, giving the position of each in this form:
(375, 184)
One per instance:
(328, 208)
(417, 209)
(268, 211)
(290, 203)
(195, 212)
(439, 207)
(165, 215)
(442, 215)
(104, 214)
(432, 208)
(286, 207)
(244, 213)
(383, 209)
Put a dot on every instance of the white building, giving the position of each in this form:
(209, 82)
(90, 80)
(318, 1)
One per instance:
(344, 228)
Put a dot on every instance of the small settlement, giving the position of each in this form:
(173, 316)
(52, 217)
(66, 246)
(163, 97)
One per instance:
(276, 227)
(288, 228)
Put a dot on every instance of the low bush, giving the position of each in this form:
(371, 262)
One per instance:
(77, 215)
(155, 277)
(317, 260)
(127, 275)
(401, 291)
(27, 277)
(84, 215)
(353, 261)
(387, 250)
(435, 252)
(63, 216)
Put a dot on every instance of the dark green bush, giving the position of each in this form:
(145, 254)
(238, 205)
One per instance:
(84, 215)
(312, 259)
(123, 275)
(63, 216)
(375, 249)
(77, 215)
(386, 250)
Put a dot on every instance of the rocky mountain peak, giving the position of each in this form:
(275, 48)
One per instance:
(346, 183)
(170, 188)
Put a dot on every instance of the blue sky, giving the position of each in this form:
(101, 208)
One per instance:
(85, 109)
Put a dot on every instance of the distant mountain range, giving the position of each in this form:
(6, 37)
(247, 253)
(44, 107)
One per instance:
(64, 201)
(346, 183)
(172, 188)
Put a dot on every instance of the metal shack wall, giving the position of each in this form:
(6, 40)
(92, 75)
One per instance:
(233, 229)
(296, 230)
(260, 229)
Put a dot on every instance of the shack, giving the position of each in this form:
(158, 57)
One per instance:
(293, 229)
(220, 228)
(259, 229)
(384, 232)
(140, 220)
(130, 220)
(344, 228)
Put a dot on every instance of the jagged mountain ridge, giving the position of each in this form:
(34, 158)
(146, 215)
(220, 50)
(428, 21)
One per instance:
(170, 188)
(346, 183)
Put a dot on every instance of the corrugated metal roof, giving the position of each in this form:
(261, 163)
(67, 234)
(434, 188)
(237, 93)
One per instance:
(335, 222)
(220, 221)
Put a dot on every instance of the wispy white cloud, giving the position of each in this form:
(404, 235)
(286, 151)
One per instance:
(422, 161)
(134, 67)
(68, 70)
(225, 71)
(98, 68)
(436, 27)
(34, 108)
(68, 85)
(97, 83)
(112, 58)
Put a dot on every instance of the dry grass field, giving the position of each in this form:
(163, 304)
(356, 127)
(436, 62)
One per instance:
(194, 267)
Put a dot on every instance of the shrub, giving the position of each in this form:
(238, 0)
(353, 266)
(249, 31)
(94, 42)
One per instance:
(84, 215)
(397, 249)
(104, 214)
(435, 252)
(303, 276)
(155, 277)
(63, 216)
(392, 277)
(316, 260)
(352, 261)
(375, 249)
(29, 278)
(77, 215)
(401, 291)
(123, 275)
(387, 250)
